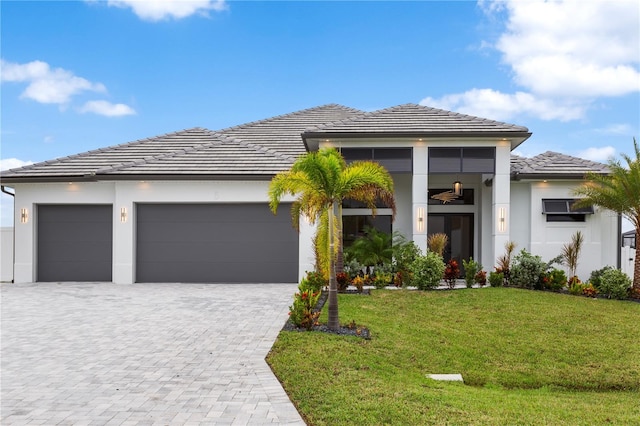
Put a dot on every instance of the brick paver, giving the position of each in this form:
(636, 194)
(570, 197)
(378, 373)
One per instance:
(142, 354)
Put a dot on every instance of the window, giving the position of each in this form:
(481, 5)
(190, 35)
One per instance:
(395, 160)
(563, 210)
(354, 226)
(462, 160)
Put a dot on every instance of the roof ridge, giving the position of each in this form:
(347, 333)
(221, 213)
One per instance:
(416, 106)
(256, 147)
(104, 149)
(474, 117)
(289, 114)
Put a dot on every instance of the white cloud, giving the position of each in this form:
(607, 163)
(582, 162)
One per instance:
(159, 10)
(573, 48)
(563, 55)
(12, 163)
(601, 154)
(58, 86)
(47, 85)
(107, 109)
(616, 129)
(496, 105)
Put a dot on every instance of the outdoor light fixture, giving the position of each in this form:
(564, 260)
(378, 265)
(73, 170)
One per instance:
(24, 215)
(420, 219)
(457, 188)
(123, 214)
(502, 219)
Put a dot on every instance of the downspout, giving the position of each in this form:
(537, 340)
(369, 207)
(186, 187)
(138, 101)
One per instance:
(13, 244)
(619, 239)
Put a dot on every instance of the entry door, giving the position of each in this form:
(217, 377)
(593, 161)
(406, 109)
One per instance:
(459, 229)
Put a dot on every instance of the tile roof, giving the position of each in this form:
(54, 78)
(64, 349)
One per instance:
(282, 133)
(413, 119)
(554, 164)
(266, 147)
(262, 147)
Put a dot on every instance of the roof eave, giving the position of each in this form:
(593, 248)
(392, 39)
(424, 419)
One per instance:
(136, 177)
(515, 137)
(553, 176)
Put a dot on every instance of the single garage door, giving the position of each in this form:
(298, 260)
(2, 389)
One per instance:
(74, 242)
(230, 243)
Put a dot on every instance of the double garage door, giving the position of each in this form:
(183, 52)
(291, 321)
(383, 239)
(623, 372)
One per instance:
(230, 243)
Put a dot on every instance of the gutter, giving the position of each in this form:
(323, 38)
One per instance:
(619, 239)
(13, 217)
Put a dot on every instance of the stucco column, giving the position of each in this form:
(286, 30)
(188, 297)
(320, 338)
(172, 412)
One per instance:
(24, 249)
(419, 194)
(123, 238)
(501, 197)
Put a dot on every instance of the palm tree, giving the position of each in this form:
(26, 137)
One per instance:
(321, 181)
(619, 191)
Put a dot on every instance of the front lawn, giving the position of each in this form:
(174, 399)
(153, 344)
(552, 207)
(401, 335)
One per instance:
(526, 357)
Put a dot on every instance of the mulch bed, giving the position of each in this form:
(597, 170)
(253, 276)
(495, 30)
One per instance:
(350, 330)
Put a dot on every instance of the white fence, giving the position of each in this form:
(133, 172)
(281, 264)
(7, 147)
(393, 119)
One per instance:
(628, 256)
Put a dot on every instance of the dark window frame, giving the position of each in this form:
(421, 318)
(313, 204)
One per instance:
(564, 207)
(467, 159)
(395, 159)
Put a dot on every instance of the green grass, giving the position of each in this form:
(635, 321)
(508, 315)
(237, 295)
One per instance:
(527, 357)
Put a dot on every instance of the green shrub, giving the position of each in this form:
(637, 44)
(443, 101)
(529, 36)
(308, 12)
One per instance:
(382, 279)
(555, 280)
(314, 281)
(596, 276)
(471, 268)
(615, 284)
(302, 313)
(577, 288)
(527, 271)
(352, 268)
(404, 254)
(496, 279)
(427, 270)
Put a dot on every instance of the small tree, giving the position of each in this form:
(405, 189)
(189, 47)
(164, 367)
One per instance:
(571, 254)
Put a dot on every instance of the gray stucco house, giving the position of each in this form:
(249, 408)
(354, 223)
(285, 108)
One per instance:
(191, 206)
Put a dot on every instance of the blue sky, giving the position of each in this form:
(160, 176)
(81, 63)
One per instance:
(80, 75)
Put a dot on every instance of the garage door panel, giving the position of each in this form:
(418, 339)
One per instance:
(80, 232)
(74, 242)
(65, 271)
(215, 243)
(93, 251)
(225, 272)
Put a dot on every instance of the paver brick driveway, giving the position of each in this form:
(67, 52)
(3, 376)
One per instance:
(109, 354)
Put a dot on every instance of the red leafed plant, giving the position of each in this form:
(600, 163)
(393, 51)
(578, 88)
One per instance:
(451, 273)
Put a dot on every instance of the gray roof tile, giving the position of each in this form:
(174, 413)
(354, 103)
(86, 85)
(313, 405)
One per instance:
(554, 164)
(262, 147)
(413, 119)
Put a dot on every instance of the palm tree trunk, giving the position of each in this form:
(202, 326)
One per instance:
(333, 322)
(340, 258)
(636, 263)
